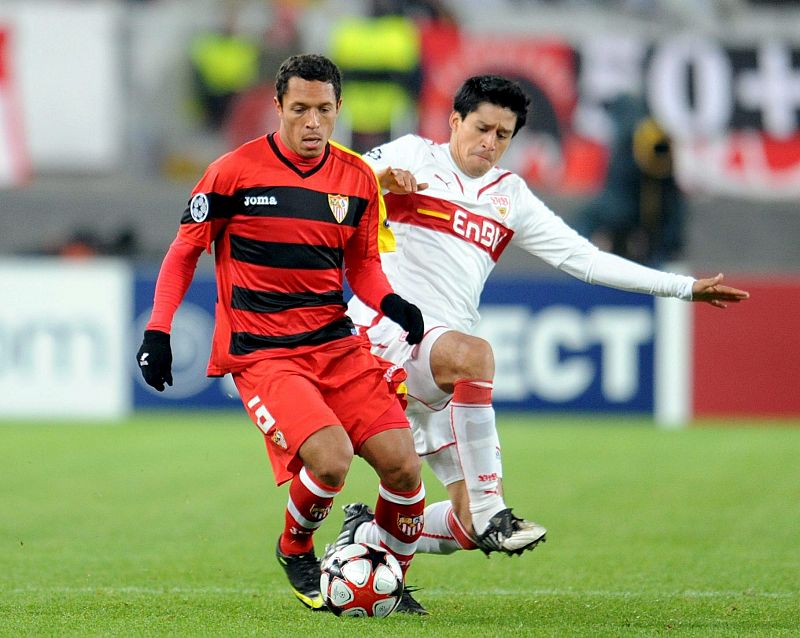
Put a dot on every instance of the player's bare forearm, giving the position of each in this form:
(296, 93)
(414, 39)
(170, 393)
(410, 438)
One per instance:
(711, 290)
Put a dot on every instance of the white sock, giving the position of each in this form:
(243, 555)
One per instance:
(473, 422)
(367, 533)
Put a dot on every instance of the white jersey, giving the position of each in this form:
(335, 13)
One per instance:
(450, 236)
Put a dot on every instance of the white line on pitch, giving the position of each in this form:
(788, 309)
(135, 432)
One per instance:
(435, 593)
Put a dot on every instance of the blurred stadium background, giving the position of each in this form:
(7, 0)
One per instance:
(110, 110)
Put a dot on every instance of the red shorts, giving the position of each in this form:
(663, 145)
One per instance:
(291, 397)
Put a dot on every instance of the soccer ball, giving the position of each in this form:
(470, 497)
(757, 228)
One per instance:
(361, 580)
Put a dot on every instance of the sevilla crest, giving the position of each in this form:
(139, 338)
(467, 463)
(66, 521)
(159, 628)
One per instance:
(410, 525)
(279, 440)
(338, 205)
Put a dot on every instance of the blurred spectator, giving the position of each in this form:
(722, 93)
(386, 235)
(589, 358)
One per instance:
(379, 56)
(639, 214)
(281, 38)
(224, 63)
(252, 112)
(414, 9)
(84, 243)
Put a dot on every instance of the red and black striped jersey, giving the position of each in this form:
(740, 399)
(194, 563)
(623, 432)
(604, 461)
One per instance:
(283, 238)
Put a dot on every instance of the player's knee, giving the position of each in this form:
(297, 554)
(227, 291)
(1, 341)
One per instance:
(327, 454)
(476, 359)
(403, 475)
(332, 470)
(333, 475)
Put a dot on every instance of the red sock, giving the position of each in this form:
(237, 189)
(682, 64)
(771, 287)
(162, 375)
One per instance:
(399, 519)
(459, 532)
(309, 503)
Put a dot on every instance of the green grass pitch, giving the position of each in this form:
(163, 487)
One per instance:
(166, 526)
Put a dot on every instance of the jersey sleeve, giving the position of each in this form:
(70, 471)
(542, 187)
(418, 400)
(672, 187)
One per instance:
(362, 258)
(546, 235)
(404, 152)
(211, 205)
(174, 279)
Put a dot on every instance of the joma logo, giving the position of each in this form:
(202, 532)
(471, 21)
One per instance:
(260, 200)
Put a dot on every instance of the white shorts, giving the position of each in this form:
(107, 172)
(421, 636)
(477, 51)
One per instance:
(435, 442)
(427, 403)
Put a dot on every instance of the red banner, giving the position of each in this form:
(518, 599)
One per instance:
(13, 160)
(747, 358)
(546, 152)
(732, 111)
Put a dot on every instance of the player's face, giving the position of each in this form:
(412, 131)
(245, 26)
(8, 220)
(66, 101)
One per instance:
(308, 113)
(478, 141)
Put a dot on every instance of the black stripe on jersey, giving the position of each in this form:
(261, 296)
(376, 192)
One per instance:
(281, 255)
(297, 203)
(290, 164)
(267, 302)
(219, 207)
(246, 342)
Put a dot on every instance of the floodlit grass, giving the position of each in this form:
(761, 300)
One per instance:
(166, 526)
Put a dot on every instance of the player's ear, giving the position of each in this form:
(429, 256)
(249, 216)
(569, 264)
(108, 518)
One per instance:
(278, 105)
(455, 120)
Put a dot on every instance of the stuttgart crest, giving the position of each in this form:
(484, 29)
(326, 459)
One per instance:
(501, 203)
(339, 204)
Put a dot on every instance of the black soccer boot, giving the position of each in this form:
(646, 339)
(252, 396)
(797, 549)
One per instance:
(509, 534)
(303, 573)
(354, 515)
(409, 605)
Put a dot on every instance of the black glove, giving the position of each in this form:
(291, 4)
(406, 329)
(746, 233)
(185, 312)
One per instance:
(406, 315)
(155, 359)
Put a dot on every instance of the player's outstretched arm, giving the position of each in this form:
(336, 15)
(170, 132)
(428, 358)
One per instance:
(399, 181)
(712, 291)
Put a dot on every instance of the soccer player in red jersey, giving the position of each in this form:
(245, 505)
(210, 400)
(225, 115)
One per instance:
(287, 214)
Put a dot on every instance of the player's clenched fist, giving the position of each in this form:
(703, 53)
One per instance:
(406, 315)
(155, 359)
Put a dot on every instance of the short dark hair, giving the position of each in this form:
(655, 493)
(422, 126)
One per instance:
(310, 67)
(493, 89)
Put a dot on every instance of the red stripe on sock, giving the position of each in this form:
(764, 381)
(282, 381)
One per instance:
(410, 494)
(459, 533)
(472, 392)
(321, 485)
(297, 539)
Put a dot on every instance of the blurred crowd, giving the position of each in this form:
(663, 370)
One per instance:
(229, 63)
(378, 50)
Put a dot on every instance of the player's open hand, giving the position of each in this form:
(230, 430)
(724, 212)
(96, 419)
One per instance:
(399, 181)
(712, 291)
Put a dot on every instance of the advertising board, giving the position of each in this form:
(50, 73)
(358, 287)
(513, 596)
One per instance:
(559, 345)
(64, 338)
(191, 345)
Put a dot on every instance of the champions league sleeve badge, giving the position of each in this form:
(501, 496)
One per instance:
(198, 207)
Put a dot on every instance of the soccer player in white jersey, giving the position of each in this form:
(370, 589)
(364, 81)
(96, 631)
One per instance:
(454, 212)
